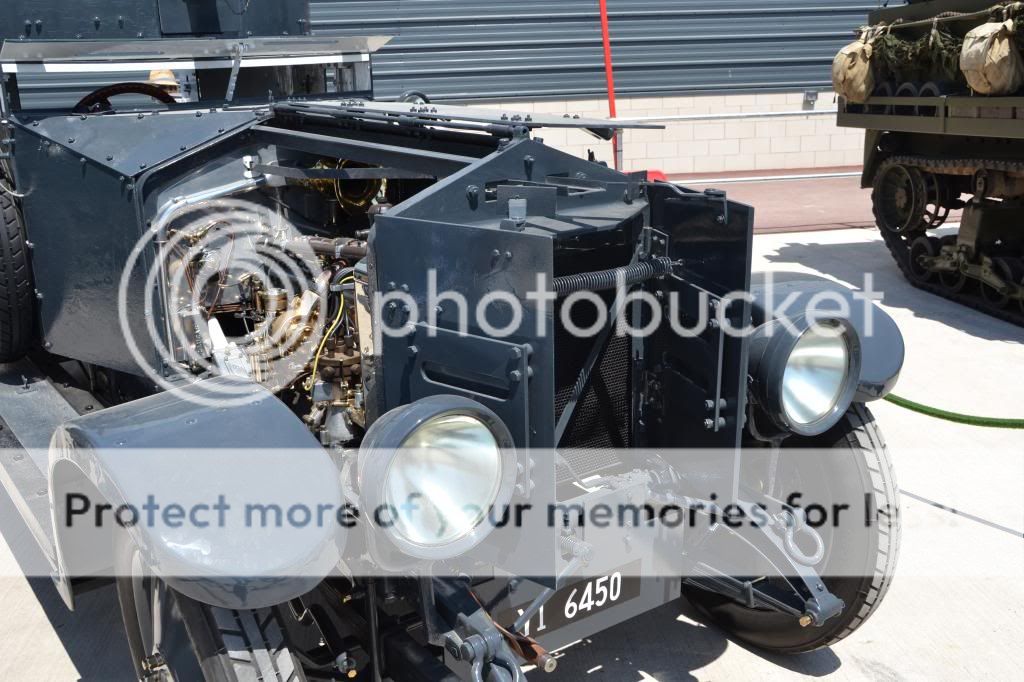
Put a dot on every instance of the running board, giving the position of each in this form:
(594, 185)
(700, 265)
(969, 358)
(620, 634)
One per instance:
(32, 408)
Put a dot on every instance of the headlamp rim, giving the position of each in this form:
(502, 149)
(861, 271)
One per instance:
(775, 346)
(380, 447)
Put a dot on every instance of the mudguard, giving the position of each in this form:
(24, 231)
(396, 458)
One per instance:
(229, 465)
(882, 344)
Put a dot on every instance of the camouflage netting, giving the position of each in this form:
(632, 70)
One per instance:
(933, 57)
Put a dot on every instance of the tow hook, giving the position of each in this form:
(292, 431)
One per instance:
(486, 647)
(795, 521)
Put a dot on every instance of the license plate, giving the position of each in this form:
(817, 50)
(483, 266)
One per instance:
(579, 600)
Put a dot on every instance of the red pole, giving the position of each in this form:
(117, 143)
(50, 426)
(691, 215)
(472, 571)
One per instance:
(609, 74)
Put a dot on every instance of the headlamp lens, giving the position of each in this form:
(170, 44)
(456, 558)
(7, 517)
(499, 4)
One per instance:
(444, 480)
(816, 374)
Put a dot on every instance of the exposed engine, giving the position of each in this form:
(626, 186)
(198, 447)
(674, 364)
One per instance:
(268, 293)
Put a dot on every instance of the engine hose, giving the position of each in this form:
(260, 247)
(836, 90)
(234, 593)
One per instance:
(988, 422)
(600, 280)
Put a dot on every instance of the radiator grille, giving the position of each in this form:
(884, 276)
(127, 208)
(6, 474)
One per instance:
(602, 422)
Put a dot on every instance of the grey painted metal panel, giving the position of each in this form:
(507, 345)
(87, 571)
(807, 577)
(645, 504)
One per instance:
(466, 49)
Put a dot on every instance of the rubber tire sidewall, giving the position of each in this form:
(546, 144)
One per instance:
(17, 294)
(862, 595)
(206, 639)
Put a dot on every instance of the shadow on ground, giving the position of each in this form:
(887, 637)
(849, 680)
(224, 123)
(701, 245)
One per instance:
(667, 645)
(848, 263)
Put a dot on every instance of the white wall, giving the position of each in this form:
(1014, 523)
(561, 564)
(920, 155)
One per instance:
(712, 146)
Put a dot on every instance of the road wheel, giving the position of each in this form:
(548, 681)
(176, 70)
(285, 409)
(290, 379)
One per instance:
(174, 637)
(922, 247)
(899, 198)
(17, 302)
(1008, 271)
(861, 461)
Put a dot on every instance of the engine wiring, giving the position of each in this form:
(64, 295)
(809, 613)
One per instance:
(311, 381)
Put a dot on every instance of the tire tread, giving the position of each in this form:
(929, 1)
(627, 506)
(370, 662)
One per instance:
(17, 310)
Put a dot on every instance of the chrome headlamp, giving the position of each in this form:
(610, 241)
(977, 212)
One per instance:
(805, 377)
(432, 474)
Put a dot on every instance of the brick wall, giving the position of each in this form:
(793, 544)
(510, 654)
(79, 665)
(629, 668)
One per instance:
(713, 146)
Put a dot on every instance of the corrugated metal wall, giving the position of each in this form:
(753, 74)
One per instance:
(466, 49)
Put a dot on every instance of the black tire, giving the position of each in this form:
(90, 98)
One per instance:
(858, 436)
(200, 642)
(413, 97)
(17, 302)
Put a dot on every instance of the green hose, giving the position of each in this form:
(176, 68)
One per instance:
(955, 417)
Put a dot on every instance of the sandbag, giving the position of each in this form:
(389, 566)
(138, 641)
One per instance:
(991, 61)
(852, 76)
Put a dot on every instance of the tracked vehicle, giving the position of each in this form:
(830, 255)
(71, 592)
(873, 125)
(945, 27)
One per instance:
(296, 369)
(934, 146)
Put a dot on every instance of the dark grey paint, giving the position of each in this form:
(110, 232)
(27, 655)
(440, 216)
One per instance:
(200, 453)
(882, 350)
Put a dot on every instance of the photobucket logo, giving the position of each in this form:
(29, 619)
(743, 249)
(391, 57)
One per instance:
(625, 311)
(215, 264)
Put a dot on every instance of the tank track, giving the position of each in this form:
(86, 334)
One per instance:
(899, 244)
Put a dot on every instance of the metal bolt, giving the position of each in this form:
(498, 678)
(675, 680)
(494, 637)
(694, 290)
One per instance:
(805, 620)
(709, 424)
(413, 351)
(515, 375)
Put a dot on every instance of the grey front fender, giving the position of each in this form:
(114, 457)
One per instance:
(882, 347)
(229, 468)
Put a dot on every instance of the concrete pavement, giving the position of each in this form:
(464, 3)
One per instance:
(956, 608)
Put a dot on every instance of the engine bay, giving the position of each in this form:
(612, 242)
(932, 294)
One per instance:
(271, 286)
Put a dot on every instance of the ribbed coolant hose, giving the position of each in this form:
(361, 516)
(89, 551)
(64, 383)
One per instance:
(600, 280)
